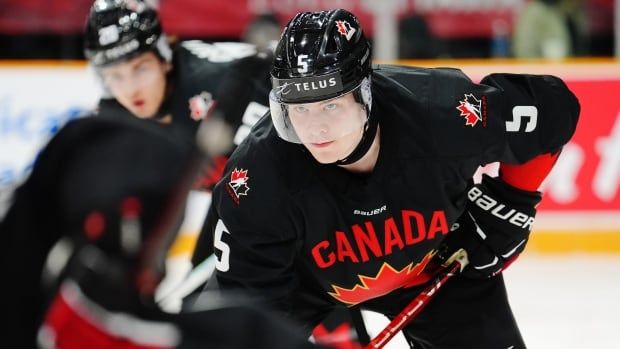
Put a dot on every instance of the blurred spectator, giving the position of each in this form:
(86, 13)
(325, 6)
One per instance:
(416, 39)
(42, 29)
(575, 16)
(500, 40)
(263, 32)
(542, 30)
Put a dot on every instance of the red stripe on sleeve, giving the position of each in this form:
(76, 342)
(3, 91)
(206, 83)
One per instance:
(530, 175)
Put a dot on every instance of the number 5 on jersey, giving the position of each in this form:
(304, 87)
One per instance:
(519, 112)
(221, 263)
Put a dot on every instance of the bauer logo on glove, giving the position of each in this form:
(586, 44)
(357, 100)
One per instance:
(499, 209)
(495, 227)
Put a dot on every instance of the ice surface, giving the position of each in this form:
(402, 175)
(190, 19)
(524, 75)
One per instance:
(564, 301)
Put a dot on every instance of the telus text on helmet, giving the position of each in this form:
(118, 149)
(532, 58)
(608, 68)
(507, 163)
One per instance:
(315, 85)
(123, 49)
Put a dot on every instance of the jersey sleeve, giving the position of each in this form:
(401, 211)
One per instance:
(539, 112)
(246, 81)
(231, 81)
(242, 98)
(235, 75)
(510, 118)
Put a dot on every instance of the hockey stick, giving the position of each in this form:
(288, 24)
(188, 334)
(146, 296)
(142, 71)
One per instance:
(171, 301)
(454, 264)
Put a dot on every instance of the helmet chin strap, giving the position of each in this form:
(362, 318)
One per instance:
(370, 131)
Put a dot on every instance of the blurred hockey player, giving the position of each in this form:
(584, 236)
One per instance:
(177, 85)
(85, 244)
(358, 184)
(144, 76)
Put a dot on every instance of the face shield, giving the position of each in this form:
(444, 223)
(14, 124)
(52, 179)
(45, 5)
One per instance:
(100, 60)
(301, 116)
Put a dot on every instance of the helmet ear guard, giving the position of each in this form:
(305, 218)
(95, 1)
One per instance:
(363, 95)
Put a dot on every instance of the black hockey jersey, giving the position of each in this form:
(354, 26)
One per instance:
(306, 236)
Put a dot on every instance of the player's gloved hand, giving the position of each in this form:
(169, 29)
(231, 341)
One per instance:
(494, 228)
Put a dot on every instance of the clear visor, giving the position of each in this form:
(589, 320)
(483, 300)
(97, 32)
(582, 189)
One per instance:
(317, 122)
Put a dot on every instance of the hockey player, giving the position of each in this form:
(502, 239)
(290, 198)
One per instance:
(143, 76)
(107, 194)
(359, 183)
(178, 85)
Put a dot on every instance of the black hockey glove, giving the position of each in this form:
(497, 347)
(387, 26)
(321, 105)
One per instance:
(494, 228)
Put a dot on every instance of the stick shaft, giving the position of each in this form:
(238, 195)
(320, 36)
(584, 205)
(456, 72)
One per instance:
(416, 305)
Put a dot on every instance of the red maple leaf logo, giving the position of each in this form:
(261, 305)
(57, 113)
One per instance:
(239, 176)
(470, 109)
(384, 282)
(345, 29)
(238, 182)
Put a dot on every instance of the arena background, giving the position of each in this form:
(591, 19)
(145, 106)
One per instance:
(564, 290)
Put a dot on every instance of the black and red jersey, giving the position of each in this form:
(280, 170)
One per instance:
(307, 236)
